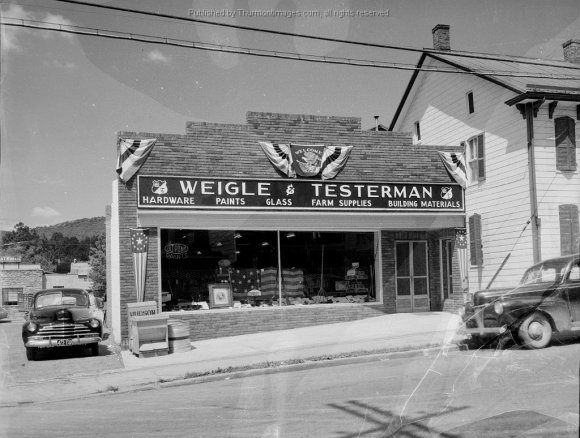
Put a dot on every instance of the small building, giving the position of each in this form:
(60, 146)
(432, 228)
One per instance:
(287, 221)
(19, 280)
(78, 277)
(518, 135)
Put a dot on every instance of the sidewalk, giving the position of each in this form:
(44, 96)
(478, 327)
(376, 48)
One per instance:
(309, 346)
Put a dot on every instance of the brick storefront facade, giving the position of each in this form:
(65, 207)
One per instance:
(214, 150)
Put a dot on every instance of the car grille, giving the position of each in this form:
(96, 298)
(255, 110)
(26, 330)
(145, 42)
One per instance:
(64, 330)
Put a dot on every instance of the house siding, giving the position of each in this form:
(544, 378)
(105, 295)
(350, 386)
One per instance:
(503, 199)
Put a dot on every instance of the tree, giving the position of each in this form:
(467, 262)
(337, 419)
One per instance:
(98, 264)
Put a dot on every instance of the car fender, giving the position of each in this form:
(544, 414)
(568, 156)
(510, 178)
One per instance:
(555, 311)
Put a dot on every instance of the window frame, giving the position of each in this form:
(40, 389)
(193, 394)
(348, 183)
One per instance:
(476, 164)
(417, 128)
(470, 102)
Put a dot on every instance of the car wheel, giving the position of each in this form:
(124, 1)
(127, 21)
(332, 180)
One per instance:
(535, 331)
(95, 349)
(30, 353)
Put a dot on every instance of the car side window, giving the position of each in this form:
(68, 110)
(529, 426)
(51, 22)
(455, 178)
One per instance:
(575, 273)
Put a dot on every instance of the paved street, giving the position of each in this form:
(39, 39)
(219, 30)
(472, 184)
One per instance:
(471, 393)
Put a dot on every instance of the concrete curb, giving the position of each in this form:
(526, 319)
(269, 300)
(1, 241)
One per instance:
(254, 369)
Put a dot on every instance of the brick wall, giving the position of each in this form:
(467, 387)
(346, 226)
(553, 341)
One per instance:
(30, 280)
(232, 151)
(207, 325)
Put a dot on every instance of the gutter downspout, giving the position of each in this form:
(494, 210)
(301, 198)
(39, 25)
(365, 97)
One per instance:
(529, 110)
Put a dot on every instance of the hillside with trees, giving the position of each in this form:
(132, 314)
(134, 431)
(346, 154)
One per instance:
(54, 250)
(80, 228)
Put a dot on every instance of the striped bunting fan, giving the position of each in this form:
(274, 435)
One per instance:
(131, 154)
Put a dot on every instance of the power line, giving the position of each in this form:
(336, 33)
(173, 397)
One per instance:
(457, 53)
(152, 39)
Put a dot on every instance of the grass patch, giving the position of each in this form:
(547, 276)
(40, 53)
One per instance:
(110, 388)
(290, 362)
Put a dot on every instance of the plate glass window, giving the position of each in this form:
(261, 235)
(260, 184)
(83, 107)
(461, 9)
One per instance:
(315, 267)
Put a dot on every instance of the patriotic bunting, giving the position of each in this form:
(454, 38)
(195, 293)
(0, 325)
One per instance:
(307, 160)
(455, 164)
(335, 158)
(279, 156)
(461, 248)
(131, 154)
(139, 247)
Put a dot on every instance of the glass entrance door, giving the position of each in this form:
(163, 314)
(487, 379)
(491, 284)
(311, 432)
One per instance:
(412, 276)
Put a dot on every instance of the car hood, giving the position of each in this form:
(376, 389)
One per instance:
(489, 295)
(49, 314)
(535, 290)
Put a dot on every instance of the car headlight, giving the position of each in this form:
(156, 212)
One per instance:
(31, 327)
(498, 307)
(94, 323)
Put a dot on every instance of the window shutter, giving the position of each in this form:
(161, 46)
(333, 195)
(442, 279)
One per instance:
(565, 131)
(475, 242)
(480, 158)
(569, 229)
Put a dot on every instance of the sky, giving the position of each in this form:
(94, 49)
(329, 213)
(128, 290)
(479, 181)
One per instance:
(64, 97)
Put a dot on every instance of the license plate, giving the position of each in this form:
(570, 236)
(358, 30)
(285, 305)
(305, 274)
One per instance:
(64, 342)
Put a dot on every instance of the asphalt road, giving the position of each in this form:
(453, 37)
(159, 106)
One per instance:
(484, 393)
(58, 363)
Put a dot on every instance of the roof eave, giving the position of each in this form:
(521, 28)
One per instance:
(538, 95)
(483, 76)
(407, 91)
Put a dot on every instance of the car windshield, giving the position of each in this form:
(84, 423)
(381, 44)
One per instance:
(62, 298)
(548, 272)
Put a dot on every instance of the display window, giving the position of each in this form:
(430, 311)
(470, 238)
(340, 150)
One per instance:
(203, 269)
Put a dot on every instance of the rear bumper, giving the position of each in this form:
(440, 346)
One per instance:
(50, 343)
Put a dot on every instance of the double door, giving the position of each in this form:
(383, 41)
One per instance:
(412, 276)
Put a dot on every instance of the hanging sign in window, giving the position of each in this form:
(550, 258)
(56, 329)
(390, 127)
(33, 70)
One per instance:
(284, 194)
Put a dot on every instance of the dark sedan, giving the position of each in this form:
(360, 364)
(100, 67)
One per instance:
(547, 300)
(62, 318)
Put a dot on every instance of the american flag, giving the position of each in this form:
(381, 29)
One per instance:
(139, 247)
(131, 154)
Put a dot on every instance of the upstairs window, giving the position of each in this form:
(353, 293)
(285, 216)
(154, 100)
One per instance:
(418, 131)
(470, 104)
(476, 158)
(565, 143)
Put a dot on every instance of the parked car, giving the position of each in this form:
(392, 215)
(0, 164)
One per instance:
(547, 300)
(62, 318)
(3, 313)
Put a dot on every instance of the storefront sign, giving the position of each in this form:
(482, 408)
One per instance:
(10, 259)
(250, 194)
(176, 250)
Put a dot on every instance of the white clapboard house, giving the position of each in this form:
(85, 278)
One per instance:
(519, 135)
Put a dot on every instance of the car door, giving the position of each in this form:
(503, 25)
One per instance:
(573, 291)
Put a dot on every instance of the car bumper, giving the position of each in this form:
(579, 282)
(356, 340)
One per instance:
(51, 343)
(475, 326)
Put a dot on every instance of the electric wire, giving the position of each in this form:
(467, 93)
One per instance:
(153, 39)
(519, 60)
